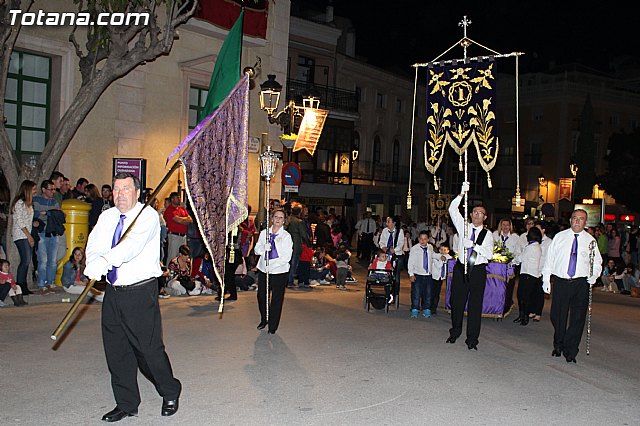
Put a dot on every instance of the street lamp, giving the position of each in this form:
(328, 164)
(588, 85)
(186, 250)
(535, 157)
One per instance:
(574, 169)
(269, 98)
(542, 180)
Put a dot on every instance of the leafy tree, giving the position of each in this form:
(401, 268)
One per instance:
(109, 53)
(622, 179)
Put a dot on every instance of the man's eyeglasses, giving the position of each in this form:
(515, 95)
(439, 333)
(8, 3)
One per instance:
(478, 213)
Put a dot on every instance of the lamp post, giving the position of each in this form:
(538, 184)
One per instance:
(270, 92)
(268, 165)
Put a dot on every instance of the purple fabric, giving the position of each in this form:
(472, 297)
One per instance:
(390, 247)
(216, 172)
(573, 258)
(112, 275)
(273, 253)
(473, 238)
(496, 294)
(425, 259)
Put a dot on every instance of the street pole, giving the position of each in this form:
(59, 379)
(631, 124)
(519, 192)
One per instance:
(260, 216)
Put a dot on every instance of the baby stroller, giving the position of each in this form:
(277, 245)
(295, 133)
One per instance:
(379, 289)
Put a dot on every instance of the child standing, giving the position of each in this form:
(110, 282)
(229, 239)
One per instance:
(8, 285)
(420, 275)
(304, 267)
(342, 264)
(439, 272)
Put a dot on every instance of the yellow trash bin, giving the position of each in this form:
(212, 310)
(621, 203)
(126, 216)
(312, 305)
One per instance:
(76, 229)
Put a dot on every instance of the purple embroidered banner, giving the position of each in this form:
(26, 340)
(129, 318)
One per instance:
(216, 173)
(498, 292)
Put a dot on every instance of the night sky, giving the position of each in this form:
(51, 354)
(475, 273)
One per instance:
(396, 34)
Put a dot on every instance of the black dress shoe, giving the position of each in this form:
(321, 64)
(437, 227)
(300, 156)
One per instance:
(555, 353)
(262, 325)
(571, 359)
(451, 339)
(169, 408)
(272, 332)
(116, 415)
(472, 346)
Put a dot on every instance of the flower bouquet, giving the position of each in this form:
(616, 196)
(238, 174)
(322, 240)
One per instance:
(501, 253)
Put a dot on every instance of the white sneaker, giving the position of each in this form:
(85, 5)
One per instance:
(324, 282)
(314, 283)
(207, 291)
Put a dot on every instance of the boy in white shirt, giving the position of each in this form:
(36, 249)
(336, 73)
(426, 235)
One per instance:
(439, 273)
(419, 268)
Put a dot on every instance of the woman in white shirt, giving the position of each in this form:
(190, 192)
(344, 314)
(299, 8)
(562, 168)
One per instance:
(278, 249)
(22, 210)
(530, 274)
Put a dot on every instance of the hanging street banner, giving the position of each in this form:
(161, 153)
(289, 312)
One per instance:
(310, 130)
(461, 111)
(565, 189)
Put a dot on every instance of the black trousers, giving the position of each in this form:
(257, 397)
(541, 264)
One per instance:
(277, 286)
(229, 274)
(467, 290)
(569, 303)
(436, 287)
(527, 292)
(537, 305)
(366, 240)
(132, 338)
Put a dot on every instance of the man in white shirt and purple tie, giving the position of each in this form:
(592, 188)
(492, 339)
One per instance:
(131, 325)
(468, 288)
(574, 261)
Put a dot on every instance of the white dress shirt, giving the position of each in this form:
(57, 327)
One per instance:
(559, 253)
(544, 245)
(529, 260)
(511, 241)
(436, 266)
(415, 265)
(485, 250)
(137, 257)
(384, 239)
(284, 246)
(366, 226)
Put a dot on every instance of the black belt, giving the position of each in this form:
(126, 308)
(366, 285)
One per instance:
(178, 234)
(571, 280)
(135, 286)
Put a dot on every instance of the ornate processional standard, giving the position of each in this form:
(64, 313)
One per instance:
(461, 112)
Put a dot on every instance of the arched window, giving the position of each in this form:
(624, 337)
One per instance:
(377, 147)
(396, 160)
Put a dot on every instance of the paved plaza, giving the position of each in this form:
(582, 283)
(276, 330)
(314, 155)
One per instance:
(331, 363)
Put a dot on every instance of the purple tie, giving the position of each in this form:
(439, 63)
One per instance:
(473, 238)
(390, 248)
(112, 275)
(573, 259)
(425, 259)
(273, 254)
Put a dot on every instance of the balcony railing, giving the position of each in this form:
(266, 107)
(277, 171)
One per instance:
(331, 97)
(379, 171)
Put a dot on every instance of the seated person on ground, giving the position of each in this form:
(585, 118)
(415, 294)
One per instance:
(73, 281)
